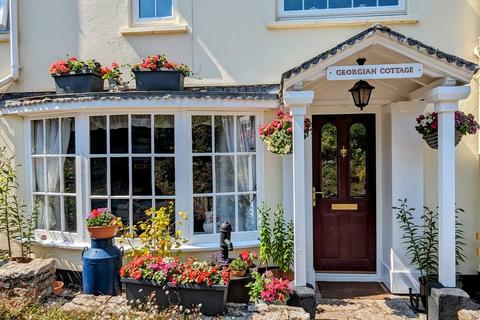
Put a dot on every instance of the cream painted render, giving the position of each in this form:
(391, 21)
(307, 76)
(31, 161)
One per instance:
(219, 56)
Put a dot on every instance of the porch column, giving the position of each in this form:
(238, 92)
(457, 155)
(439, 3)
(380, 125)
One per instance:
(446, 100)
(297, 101)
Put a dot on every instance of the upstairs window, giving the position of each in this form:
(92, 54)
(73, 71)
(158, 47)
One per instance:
(332, 8)
(3, 15)
(151, 10)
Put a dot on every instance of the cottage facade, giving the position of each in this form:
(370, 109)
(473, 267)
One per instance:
(200, 147)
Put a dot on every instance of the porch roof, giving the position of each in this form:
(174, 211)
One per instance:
(386, 32)
(215, 96)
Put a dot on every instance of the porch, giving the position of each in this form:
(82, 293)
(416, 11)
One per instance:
(397, 163)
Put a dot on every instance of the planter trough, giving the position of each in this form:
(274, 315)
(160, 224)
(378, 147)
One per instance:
(212, 298)
(78, 83)
(159, 80)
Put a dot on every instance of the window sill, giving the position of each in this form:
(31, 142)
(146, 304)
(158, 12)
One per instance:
(340, 22)
(154, 29)
(4, 37)
(185, 248)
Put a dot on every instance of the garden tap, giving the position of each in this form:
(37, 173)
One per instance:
(225, 242)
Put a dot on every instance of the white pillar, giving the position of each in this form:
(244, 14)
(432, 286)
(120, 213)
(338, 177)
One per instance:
(298, 101)
(446, 103)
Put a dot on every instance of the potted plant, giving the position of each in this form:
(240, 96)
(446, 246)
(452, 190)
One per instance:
(277, 242)
(167, 281)
(278, 134)
(102, 224)
(114, 77)
(238, 268)
(427, 126)
(248, 257)
(421, 243)
(156, 72)
(76, 76)
(269, 288)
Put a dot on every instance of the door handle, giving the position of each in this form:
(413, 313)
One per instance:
(314, 196)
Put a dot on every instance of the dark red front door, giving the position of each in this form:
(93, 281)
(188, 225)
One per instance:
(344, 205)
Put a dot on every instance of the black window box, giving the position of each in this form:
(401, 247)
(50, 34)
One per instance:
(212, 298)
(78, 83)
(159, 80)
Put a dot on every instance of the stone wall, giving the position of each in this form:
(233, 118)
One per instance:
(32, 280)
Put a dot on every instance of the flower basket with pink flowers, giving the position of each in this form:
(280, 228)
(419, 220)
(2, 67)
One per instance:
(427, 126)
(156, 73)
(278, 134)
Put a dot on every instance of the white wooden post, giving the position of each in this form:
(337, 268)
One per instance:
(446, 103)
(298, 101)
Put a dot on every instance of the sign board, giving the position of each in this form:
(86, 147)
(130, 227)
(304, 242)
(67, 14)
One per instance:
(379, 71)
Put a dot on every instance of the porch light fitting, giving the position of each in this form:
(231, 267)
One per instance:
(362, 90)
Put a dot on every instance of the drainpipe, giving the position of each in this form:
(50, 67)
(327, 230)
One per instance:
(13, 26)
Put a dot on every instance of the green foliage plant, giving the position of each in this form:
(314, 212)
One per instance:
(421, 240)
(265, 234)
(238, 265)
(156, 234)
(256, 286)
(277, 242)
(15, 222)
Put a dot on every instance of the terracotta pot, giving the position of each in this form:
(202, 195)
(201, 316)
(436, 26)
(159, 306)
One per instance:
(21, 259)
(58, 287)
(278, 273)
(432, 139)
(106, 232)
(236, 273)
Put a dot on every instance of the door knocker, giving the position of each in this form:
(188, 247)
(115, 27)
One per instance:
(343, 152)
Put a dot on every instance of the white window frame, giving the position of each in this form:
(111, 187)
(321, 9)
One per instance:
(55, 235)
(236, 236)
(183, 173)
(4, 17)
(131, 155)
(137, 20)
(400, 9)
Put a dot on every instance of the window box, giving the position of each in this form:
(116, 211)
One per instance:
(78, 83)
(212, 298)
(159, 80)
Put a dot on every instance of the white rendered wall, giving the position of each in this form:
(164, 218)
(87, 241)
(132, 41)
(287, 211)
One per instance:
(403, 178)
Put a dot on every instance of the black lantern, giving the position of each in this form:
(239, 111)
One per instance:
(362, 90)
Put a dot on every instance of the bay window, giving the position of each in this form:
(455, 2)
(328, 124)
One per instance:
(333, 8)
(205, 163)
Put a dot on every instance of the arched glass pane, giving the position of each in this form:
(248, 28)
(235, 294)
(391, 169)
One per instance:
(358, 161)
(329, 161)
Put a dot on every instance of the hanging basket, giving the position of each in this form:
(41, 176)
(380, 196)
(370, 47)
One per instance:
(432, 139)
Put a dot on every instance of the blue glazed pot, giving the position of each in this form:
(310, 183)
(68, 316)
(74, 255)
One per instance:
(101, 266)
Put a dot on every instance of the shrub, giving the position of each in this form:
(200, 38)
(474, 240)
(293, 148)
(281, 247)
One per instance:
(238, 265)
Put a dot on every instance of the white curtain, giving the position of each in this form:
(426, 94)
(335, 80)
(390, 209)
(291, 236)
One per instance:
(224, 167)
(39, 171)
(246, 172)
(53, 165)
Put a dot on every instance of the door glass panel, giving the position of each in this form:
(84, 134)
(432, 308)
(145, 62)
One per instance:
(358, 161)
(329, 161)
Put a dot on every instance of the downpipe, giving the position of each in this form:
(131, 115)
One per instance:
(13, 32)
